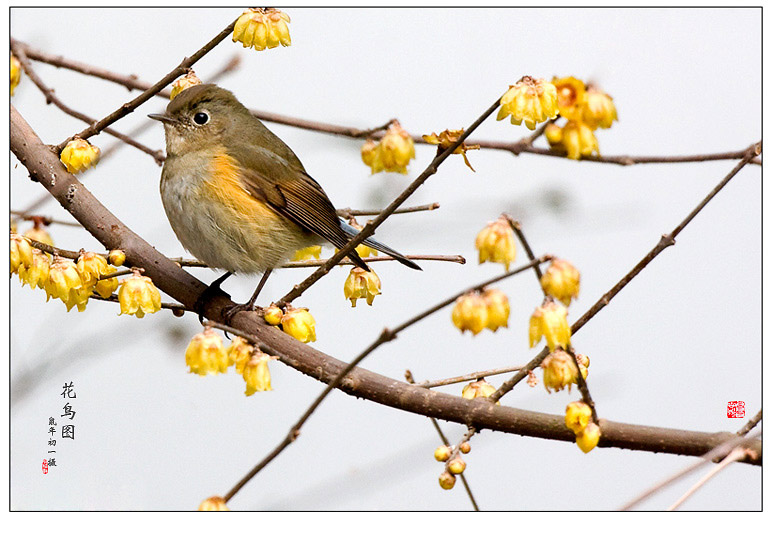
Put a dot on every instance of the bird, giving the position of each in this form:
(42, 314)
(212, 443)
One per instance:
(237, 197)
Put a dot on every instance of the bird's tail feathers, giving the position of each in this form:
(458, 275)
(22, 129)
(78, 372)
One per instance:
(351, 231)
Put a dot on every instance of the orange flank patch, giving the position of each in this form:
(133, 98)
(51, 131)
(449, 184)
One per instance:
(227, 189)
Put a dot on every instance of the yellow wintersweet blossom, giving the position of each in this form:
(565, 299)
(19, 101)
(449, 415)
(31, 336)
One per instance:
(138, 296)
(599, 110)
(206, 353)
(392, 153)
(21, 253)
(239, 352)
(79, 155)
(39, 234)
(36, 274)
(92, 267)
(15, 73)
(215, 503)
(446, 139)
(588, 438)
(65, 283)
(531, 100)
(550, 320)
(116, 257)
(361, 284)
(578, 415)
(470, 313)
(559, 371)
(579, 140)
(571, 97)
(184, 82)
(273, 315)
(561, 280)
(312, 252)
(496, 243)
(262, 28)
(498, 308)
(256, 374)
(478, 389)
(300, 324)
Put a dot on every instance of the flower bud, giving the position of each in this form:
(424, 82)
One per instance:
(361, 284)
(550, 320)
(300, 324)
(456, 466)
(239, 353)
(15, 73)
(312, 252)
(579, 140)
(273, 315)
(262, 28)
(578, 414)
(442, 453)
(498, 308)
(36, 274)
(532, 381)
(588, 438)
(116, 257)
(559, 370)
(571, 97)
(478, 389)
(599, 110)
(496, 243)
(215, 503)
(447, 480)
(138, 296)
(584, 364)
(79, 155)
(470, 313)
(206, 354)
(21, 253)
(38, 233)
(188, 80)
(554, 134)
(256, 374)
(561, 280)
(465, 447)
(531, 100)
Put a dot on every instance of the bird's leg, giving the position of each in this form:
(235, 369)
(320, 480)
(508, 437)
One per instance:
(212, 290)
(228, 313)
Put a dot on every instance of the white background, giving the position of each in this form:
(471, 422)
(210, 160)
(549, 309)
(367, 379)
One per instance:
(678, 343)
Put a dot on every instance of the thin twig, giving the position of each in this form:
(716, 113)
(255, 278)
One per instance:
(468, 377)
(44, 219)
(664, 242)
(717, 452)
(173, 306)
(347, 212)
(436, 425)
(735, 455)
(369, 229)
(517, 228)
(752, 422)
(51, 97)
(582, 384)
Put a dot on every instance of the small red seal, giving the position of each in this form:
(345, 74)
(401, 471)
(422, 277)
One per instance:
(735, 409)
(45, 466)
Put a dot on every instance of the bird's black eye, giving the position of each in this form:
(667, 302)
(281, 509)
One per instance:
(201, 118)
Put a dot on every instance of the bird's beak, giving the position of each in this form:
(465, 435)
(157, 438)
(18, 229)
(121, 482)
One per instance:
(162, 118)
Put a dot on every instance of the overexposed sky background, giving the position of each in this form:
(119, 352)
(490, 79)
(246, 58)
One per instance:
(678, 343)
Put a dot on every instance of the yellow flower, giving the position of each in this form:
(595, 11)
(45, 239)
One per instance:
(561, 280)
(262, 28)
(215, 503)
(361, 284)
(584, 364)
(21, 253)
(498, 308)
(446, 139)
(392, 153)
(478, 389)
(447, 480)
(579, 140)
(15, 73)
(65, 283)
(312, 252)
(116, 257)
(206, 354)
(496, 243)
(138, 296)
(256, 374)
(578, 414)
(39, 234)
(91, 268)
(588, 438)
(273, 315)
(571, 96)
(554, 135)
(530, 99)
(599, 110)
(239, 353)
(106, 287)
(188, 80)
(457, 466)
(300, 324)
(470, 313)
(559, 370)
(550, 320)
(79, 155)
(442, 453)
(36, 274)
